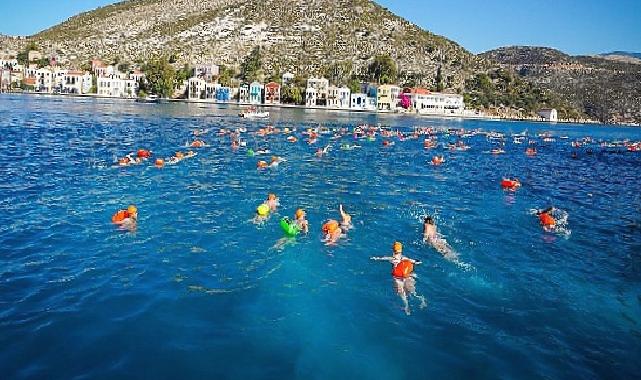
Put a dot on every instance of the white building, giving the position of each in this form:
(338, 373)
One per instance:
(58, 78)
(321, 87)
(117, 88)
(8, 61)
(311, 96)
(332, 97)
(196, 88)
(44, 80)
(344, 94)
(548, 114)
(77, 82)
(435, 103)
(360, 101)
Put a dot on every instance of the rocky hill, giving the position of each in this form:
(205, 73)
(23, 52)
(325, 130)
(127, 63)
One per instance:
(605, 89)
(300, 36)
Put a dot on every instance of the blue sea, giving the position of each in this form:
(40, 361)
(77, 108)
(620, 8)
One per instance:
(199, 291)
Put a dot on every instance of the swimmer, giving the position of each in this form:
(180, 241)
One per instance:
(276, 161)
(346, 219)
(438, 160)
(126, 219)
(547, 220)
(198, 144)
(320, 152)
(403, 275)
(272, 202)
(262, 214)
(301, 222)
(332, 231)
(262, 151)
(510, 184)
(433, 238)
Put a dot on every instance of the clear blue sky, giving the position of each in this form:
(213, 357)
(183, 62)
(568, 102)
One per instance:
(574, 26)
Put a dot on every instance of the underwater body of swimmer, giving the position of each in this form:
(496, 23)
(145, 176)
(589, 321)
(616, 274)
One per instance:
(404, 279)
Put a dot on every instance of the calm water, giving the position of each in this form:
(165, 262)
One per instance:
(200, 292)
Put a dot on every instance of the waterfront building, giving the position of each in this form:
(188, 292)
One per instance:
(115, 87)
(272, 93)
(243, 93)
(344, 94)
(332, 97)
(426, 102)
(196, 88)
(77, 82)
(310, 97)
(321, 87)
(256, 93)
(358, 101)
(44, 80)
(387, 97)
(223, 94)
(548, 114)
(58, 79)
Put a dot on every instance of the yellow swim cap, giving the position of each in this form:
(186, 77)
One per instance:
(300, 213)
(132, 209)
(397, 247)
(262, 210)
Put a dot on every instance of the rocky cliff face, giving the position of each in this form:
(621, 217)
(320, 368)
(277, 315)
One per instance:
(300, 36)
(607, 90)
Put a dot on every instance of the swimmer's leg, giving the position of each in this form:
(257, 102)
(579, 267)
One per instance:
(399, 286)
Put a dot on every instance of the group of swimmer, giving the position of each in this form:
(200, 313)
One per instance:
(404, 278)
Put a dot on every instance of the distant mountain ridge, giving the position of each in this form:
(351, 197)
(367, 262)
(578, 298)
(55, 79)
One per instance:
(623, 54)
(605, 89)
(300, 36)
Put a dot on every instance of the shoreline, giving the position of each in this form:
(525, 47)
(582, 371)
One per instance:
(240, 105)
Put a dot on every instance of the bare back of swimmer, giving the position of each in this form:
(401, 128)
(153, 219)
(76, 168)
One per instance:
(432, 237)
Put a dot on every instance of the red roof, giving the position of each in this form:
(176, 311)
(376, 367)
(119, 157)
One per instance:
(272, 85)
(416, 90)
(30, 81)
(75, 72)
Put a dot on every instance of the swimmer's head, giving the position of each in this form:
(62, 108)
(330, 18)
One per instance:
(274, 158)
(300, 213)
(428, 220)
(132, 210)
(397, 247)
(271, 197)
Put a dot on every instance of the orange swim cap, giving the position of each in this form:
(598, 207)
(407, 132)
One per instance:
(274, 158)
(271, 197)
(262, 164)
(160, 162)
(397, 247)
(299, 213)
(330, 226)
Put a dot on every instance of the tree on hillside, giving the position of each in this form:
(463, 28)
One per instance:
(354, 85)
(250, 69)
(160, 77)
(383, 70)
(439, 80)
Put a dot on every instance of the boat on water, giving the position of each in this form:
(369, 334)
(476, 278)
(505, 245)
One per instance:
(149, 99)
(252, 113)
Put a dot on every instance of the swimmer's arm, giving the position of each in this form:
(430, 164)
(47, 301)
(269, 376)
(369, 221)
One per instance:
(384, 258)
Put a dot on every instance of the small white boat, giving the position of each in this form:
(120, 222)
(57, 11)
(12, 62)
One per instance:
(149, 99)
(253, 113)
